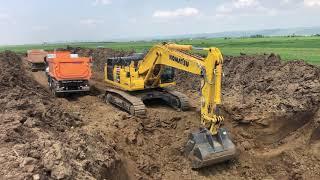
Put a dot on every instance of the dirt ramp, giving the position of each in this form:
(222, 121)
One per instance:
(40, 140)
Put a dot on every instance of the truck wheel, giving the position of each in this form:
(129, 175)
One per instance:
(58, 95)
(54, 93)
(49, 82)
(85, 93)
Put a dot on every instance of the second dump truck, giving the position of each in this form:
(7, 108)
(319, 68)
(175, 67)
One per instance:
(36, 59)
(68, 72)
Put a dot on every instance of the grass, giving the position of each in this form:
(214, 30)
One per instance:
(290, 48)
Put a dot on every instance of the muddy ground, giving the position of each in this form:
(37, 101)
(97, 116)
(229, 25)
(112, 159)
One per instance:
(271, 109)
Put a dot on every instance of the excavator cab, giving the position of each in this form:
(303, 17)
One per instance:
(168, 75)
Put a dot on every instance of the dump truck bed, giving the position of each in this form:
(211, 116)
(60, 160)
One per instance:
(36, 56)
(69, 67)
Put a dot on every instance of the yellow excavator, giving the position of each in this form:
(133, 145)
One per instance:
(144, 77)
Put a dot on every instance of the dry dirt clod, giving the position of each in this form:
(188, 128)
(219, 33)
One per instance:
(246, 145)
(36, 177)
(27, 161)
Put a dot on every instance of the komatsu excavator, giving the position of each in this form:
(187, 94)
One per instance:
(142, 77)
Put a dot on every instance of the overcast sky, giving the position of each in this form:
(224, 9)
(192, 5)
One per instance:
(35, 21)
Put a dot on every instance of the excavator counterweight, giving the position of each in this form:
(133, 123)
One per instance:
(142, 77)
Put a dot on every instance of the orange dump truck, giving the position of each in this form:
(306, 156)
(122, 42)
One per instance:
(68, 72)
(36, 58)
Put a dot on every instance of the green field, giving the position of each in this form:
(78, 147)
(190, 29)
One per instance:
(290, 48)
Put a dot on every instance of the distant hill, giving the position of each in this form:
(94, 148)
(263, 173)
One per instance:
(304, 31)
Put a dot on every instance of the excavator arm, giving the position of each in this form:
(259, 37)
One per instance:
(209, 68)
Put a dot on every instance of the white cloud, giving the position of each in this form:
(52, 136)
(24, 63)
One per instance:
(224, 9)
(245, 3)
(90, 22)
(133, 20)
(312, 3)
(4, 16)
(244, 8)
(101, 2)
(181, 12)
(285, 1)
(6, 19)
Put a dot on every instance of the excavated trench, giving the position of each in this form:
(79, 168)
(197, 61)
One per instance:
(271, 109)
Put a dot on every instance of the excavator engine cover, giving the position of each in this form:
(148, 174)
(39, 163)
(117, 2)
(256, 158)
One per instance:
(205, 149)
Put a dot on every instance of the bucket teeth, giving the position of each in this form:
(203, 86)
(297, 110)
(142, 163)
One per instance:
(205, 149)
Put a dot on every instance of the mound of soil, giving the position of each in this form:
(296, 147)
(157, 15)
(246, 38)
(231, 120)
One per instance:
(40, 140)
(266, 91)
(280, 97)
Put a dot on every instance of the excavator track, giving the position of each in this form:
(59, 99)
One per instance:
(183, 99)
(125, 101)
(172, 98)
(133, 103)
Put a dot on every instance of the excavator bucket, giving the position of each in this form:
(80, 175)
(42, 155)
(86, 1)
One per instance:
(205, 149)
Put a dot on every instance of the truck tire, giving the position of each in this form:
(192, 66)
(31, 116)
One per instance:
(52, 88)
(49, 82)
(56, 94)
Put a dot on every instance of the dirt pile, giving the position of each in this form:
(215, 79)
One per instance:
(279, 96)
(264, 90)
(155, 143)
(40, 140)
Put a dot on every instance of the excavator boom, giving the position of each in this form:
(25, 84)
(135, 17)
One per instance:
(143, 77)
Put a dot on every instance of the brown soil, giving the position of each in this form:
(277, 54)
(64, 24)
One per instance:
(271, 110)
